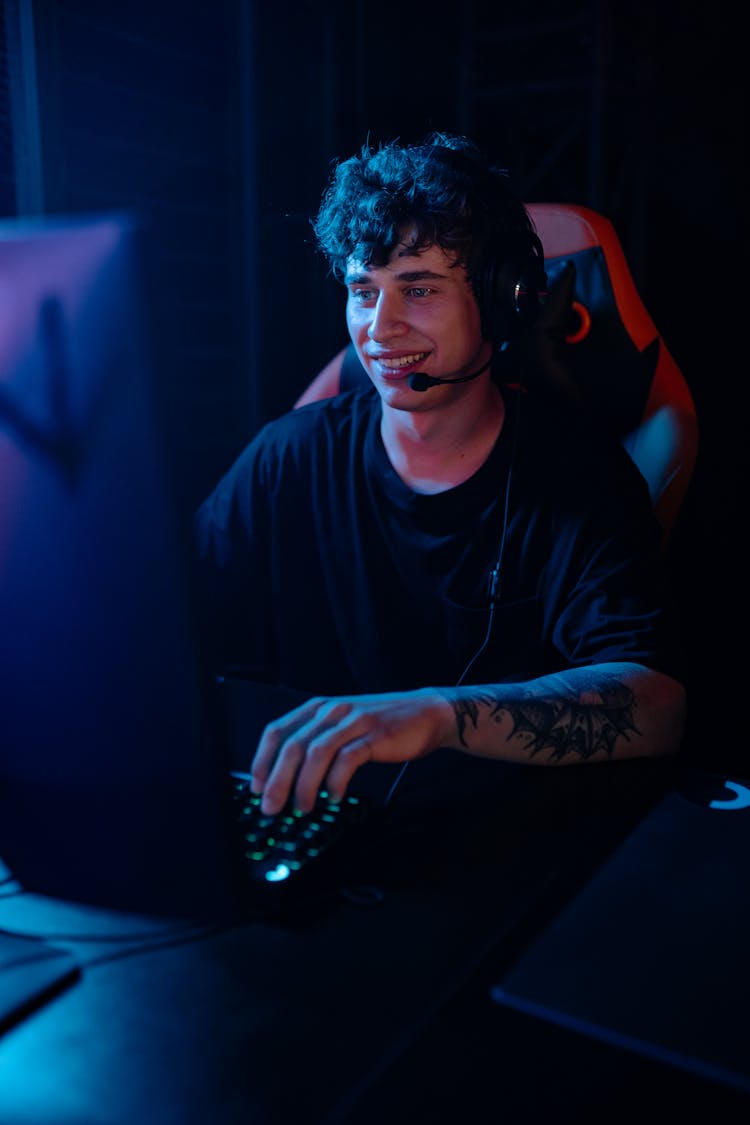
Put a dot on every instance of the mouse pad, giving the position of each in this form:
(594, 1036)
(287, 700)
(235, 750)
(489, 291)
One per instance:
(651, 955)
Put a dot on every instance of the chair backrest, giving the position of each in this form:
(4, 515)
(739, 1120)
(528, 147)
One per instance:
(606, 350)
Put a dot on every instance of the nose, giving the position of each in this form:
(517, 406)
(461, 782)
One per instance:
(386, 321)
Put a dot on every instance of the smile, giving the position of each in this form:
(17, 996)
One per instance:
(396, 362)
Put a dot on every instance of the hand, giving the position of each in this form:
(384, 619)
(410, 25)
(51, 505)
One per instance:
(323, 742)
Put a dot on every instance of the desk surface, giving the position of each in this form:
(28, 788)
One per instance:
(274, 1023)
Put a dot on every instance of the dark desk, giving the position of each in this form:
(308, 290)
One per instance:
(327, 1020)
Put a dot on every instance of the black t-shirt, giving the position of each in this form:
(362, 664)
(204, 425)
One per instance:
(326, 573)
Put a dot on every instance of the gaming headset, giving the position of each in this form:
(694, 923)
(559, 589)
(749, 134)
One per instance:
(512, 277)
(508, 294)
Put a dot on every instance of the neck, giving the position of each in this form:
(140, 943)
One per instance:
(435, 450)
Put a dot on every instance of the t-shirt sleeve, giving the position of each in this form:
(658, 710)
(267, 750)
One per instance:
(610, 579)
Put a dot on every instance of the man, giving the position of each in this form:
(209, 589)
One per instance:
(442, 558)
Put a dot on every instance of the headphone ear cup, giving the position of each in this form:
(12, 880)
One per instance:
(508, 303)
(525, 301)
(496, 304)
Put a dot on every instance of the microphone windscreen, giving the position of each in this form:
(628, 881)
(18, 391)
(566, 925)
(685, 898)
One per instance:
(418, 381)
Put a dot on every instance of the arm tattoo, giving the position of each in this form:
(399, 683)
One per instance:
(563, 724)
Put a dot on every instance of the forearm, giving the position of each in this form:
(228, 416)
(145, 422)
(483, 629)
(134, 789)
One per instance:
(596, 713)
(592, 714)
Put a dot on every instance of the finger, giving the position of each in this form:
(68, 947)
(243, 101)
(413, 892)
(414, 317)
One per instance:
(303, 747)
(323, 751)
(281, 779)
(346, 763)
(273, 736)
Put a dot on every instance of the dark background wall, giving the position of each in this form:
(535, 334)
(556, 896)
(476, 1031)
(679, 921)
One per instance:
(218, 122)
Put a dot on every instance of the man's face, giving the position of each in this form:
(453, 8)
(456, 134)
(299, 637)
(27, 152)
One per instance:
(417, 313)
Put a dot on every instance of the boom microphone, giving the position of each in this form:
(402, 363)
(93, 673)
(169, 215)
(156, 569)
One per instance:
(418, 381)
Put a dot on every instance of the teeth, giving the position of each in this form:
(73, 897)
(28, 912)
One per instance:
(404, 360)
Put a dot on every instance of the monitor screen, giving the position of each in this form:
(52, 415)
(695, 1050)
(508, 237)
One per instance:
(106, 739)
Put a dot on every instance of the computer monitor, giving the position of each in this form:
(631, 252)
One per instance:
(111, 765)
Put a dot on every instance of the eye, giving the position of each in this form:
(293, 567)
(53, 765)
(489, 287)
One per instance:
(419, 291)
(361, 296)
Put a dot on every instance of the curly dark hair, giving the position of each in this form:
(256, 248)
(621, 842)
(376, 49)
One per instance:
(442, 192)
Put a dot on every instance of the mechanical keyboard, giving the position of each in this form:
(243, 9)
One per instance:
(294, 859)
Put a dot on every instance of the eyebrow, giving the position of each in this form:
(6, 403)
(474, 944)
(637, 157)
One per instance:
(408, 275)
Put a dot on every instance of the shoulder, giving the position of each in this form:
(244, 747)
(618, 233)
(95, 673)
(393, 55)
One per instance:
(326, 428)
(576, 468)
(326, 424)
(347, 409)
(563, 438)
(290, 453)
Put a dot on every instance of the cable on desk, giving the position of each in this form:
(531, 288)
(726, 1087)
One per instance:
(97, 939)
(165, 942)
